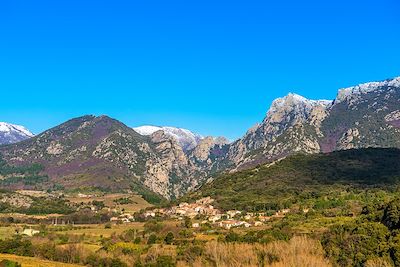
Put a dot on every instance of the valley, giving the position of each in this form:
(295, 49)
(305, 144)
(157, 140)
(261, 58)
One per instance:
(301, 188)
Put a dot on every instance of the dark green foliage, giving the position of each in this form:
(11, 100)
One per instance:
(26, 174)
(169, 238)
(123, 201)
(98, 204)
(17, 246)
(187, 222)
(375, 234)
(153, 226)
(48, 206)
(391, 215)
(152, 239)
(8, 263)
(299, 178)
(147, 195)
(189, 253)
(39, 205)
(165, 261)
(353, 244)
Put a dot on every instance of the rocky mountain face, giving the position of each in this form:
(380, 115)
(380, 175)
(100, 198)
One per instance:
(11, 133)
(102, 152)
(366, 115)
(185, 138)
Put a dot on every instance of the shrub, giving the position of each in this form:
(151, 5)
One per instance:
(152, 239)
(169, 238)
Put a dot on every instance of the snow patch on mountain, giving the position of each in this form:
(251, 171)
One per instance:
(185, 138)
(11, 133)
(365, 88)
(293, 103)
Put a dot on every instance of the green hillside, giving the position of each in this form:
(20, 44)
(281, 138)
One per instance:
(319, 180)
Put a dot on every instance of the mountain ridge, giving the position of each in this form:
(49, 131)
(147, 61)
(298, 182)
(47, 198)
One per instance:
(101, 151)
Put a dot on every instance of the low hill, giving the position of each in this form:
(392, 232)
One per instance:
(300, 177)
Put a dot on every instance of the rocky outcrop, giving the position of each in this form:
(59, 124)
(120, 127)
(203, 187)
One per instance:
(365, 115)
(293, 123)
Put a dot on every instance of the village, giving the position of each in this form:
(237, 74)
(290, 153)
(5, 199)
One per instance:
(202, 212)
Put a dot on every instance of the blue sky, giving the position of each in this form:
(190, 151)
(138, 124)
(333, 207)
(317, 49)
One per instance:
(210, 66)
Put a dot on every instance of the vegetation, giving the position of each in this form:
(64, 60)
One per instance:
(317, 181)
(343, 210)
(27, 174)
(373, 235)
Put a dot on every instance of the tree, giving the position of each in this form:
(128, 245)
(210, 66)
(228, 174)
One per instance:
(169, 238)
(187, 222)
(152, 239)
(391, 215)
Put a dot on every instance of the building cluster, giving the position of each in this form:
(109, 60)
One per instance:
(204, 213)
(124, 217)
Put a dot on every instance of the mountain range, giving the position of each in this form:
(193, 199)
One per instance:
(102, 152)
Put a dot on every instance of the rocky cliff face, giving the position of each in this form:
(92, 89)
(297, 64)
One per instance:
(366, 115)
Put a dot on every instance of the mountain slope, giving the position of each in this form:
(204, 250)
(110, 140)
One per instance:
(11, 133)
(366, 115)
(102, 152)
(300, 177)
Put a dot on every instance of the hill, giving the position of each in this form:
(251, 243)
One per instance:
(301, 178)
(100, 152)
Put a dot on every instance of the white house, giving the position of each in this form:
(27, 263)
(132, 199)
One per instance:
(30, 232)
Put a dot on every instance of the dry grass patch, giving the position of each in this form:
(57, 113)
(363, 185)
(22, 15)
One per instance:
(299, 251)
(35, 262)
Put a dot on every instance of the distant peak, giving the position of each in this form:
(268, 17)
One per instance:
(364, 88)
(185, 138)
(8, 127)
(293, 99)
(12, 133)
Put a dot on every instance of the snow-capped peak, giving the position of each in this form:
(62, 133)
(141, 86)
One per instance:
(185, 138)
(295, 101)
(147, 129)
(364, 88)
(11, 133)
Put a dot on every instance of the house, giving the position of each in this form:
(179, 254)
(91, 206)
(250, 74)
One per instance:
(195, 225)
(233, 213)
(264, 218)
(247, 217)
(215, 218)
(114, 219)
(30, 232)
(228, 224)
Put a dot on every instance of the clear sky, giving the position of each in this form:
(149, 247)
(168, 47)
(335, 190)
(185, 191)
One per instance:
(210, 66)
